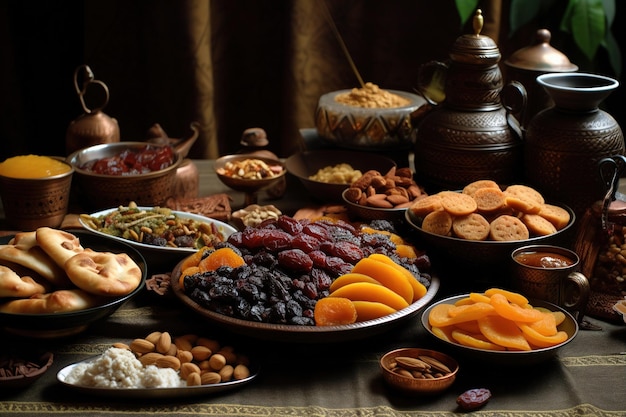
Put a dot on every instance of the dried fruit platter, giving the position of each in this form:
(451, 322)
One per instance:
(204, 294)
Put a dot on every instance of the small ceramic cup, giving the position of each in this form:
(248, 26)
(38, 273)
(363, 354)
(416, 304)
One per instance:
(550, 273)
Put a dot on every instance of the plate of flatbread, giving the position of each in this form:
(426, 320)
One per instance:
(56, 283)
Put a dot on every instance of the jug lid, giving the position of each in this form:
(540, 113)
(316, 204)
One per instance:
(541, 56)
(475, 49)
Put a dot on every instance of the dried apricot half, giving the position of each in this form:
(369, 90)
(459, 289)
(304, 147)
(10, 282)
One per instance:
(334, 311)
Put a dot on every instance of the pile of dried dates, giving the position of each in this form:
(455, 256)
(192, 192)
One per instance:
(290, 264)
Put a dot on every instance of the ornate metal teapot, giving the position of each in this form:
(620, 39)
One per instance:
(469, 134)
(93, 127)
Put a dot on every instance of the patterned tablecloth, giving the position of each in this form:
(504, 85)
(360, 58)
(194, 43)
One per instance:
(587, 378)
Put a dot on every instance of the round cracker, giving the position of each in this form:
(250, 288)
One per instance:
(103, 273)
(457, 204)
(508, 228)
(538, 225)
(58, 244)
(525, 192)
(489, 200)
(438, 222)
(426, 205)
(474, 186)
(471, 227)
(556, 215)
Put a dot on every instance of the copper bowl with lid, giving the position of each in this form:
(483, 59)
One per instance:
(100, 191)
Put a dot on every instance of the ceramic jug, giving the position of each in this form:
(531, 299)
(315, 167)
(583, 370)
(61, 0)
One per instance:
(564, 143)
(469, 134)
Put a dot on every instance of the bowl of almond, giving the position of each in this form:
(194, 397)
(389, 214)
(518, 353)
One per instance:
(484, 222)
(421, 371)
(382, 196)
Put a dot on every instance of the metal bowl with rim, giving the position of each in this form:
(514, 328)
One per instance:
(506, 357)
(414, 385)
(305, 164)
(304, 334)
(99, 191)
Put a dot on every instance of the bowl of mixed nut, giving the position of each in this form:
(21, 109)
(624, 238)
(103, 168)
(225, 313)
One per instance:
(326, 173)
(421, 371)
(382, 196)
(249, 173)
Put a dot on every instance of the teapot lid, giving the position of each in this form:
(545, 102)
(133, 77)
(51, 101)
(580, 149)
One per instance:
(475, 49)
(541, 56)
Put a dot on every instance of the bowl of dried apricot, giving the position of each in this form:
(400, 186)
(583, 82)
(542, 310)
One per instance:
(500, 327)
(483, 223)
(422, 371)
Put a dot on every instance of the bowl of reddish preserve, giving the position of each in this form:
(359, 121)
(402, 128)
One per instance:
(113, 174)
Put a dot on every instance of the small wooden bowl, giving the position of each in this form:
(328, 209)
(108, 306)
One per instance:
(411, 385)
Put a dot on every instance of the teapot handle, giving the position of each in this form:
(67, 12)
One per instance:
(431, 81)
(514, 100)
(88, 78)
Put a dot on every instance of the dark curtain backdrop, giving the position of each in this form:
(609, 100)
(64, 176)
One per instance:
(227, 64)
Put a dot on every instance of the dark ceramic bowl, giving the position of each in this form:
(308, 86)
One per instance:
(361, 212)
(506, 357)
(100, 191)
(39, 364)
(305, 164)
(50, 326)
(486, 252)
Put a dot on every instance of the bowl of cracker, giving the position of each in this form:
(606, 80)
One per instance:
(484, 222)
(368, 118)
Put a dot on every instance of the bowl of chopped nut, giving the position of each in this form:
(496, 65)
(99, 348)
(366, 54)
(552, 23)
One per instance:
(326, 173)
(249, 173)
(368, 118)
(418, 371)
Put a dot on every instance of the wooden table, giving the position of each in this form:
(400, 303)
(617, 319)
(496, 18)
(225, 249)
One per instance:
(331, 380)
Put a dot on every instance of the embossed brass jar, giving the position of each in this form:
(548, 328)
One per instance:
(564, 143)
(469, 135)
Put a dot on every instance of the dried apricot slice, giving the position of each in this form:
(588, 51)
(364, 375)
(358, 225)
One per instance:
(194, 259)
(387, 275)
(513, 297)
(546, 326)
(221, 257)
(443, 333)
(475, 340)
(351, 278)
(503, 332)
(419, 290)
(334, 311)
(513, 311)
(371, 310)
(366, 291)
(440, 315)
(537, 339)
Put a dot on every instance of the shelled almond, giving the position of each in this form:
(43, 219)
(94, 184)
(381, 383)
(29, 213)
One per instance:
(199, 360)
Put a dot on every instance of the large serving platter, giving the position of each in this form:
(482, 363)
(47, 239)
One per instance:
(305, 334)
(143, 393)
(160, 254)
(64, 324)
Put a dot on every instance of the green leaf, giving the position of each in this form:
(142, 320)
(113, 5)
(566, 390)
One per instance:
(466, 8)
(587, 25)
(615, 55)
(522, 12)
(566, 20)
